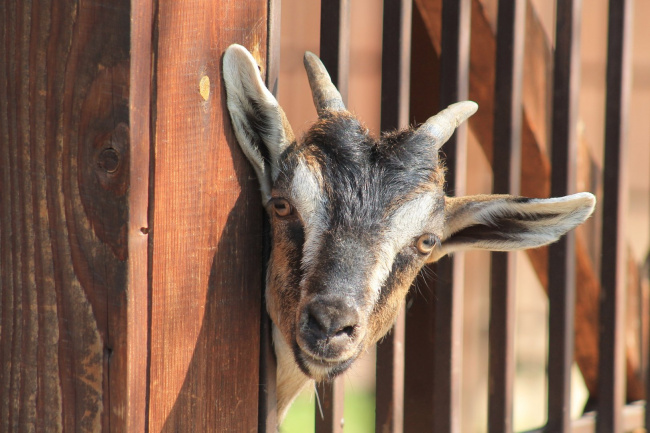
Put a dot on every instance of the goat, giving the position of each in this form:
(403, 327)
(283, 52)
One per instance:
(354, 219)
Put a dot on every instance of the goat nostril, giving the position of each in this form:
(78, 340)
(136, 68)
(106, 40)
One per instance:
(348, 330)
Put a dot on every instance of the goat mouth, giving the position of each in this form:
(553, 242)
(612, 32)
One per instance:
(320, 368)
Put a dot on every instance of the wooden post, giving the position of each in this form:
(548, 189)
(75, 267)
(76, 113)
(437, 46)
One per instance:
(64, 236)
(130, 222)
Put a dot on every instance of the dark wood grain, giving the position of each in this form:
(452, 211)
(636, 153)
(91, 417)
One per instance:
(65, 179)
(206, 227)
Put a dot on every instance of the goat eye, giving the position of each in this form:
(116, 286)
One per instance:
(426, 243)
(282, 207)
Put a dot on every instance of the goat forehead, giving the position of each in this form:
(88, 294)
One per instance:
(356, 194)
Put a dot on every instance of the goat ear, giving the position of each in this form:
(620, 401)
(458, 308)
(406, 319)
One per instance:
(505, 223)
(260, 125)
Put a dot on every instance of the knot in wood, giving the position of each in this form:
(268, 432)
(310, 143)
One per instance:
(109, 160)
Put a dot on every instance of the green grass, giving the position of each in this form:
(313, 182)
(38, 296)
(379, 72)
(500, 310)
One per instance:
(359, 413)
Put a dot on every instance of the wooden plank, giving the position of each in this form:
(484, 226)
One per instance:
(396, 60)
(612, 299)
(335, 55)
(138, 313)
(562, 254)
(454, 87)
(506, 166)
(206, 226)
(64, 218)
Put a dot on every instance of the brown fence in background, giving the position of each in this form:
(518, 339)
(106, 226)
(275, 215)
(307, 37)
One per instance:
(131, 270)
(418, 373)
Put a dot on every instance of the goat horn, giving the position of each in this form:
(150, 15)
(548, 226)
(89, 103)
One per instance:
(441, 126)
(326, 97)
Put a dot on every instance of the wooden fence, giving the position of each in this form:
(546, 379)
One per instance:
(131, 232)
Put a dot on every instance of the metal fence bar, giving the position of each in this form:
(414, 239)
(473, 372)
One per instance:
(330, 401)
(454, 87)
(335, 42)
(506, 163)
(395, 66)
(612, 300)
(562, 258)
(335, 55)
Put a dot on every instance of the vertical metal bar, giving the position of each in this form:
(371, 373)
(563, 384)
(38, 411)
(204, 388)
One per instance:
(419, 347)
(335, 55)
(335, 42)
(562, 258)
(507, 173)
(454, 87)
(419, 350)
(395, 65)
(389, 409)
(612, 299)
(330, 397)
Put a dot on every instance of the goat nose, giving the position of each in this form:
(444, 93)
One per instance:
(327, 321)
(329, 326)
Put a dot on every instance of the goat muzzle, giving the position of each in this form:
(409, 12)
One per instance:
(329, 328)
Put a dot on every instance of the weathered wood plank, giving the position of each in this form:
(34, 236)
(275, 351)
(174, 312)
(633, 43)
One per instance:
(206, 226)
(64, 123)
(137, 296)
